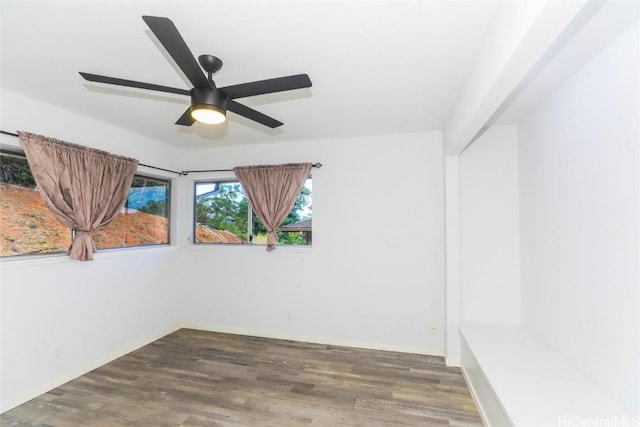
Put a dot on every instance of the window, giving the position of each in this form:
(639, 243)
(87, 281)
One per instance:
(144, 219)
(27, 226)
(223, 215)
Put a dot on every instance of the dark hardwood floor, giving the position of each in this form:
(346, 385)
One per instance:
(195, 378)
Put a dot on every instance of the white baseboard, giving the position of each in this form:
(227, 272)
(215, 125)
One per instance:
(89, 366)
(454, 363)
(314, 340)
(81, 370)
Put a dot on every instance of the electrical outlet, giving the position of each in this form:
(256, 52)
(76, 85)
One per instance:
(290, 316)
(56, 353)
(433, 328)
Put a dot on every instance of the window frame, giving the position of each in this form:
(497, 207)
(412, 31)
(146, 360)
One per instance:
(16, 152)
(249, 240)
(234, 180)
(168, 209)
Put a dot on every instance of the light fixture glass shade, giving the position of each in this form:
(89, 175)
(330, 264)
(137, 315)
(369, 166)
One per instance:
(209, 114)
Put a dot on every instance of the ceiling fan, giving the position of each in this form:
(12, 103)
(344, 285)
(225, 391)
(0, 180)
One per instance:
(209, 103)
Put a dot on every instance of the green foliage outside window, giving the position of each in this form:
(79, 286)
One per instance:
(227, 208)
(15, 170)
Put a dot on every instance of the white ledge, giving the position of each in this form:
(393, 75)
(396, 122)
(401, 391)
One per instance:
(517, 380)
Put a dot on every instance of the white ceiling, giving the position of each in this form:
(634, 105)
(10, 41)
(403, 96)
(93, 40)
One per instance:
(377, 67)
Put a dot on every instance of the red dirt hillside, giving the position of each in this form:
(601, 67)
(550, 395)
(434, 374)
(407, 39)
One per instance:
(27, 226)
(208, 235)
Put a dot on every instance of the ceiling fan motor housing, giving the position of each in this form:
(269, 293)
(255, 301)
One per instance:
(208, 98)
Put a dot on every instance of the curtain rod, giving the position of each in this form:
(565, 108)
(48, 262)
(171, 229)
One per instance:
(317, 165)
(183, 173)
(141, 164)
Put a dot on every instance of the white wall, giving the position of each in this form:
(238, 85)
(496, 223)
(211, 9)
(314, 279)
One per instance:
(375, 274)
(489, 250)
(579, 195)
(20, 113)
(60, 317)
(452, 251)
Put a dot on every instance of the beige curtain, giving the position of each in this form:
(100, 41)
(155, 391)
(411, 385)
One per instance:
(84, 188)
(272, 192)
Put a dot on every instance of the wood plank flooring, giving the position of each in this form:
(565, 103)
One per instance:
(194, 378)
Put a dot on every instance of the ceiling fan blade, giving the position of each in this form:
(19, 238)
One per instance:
(186, 119)
(168, 35)
(252, 114)
(131, 83)
(261, 87)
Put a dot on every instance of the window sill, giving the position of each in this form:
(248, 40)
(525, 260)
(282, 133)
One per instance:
(237, 247)
(61, 257)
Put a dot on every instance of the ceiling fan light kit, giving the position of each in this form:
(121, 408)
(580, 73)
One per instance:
(208, 114)
(209, 104)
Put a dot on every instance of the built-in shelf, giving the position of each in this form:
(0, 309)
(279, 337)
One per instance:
(517, 380)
